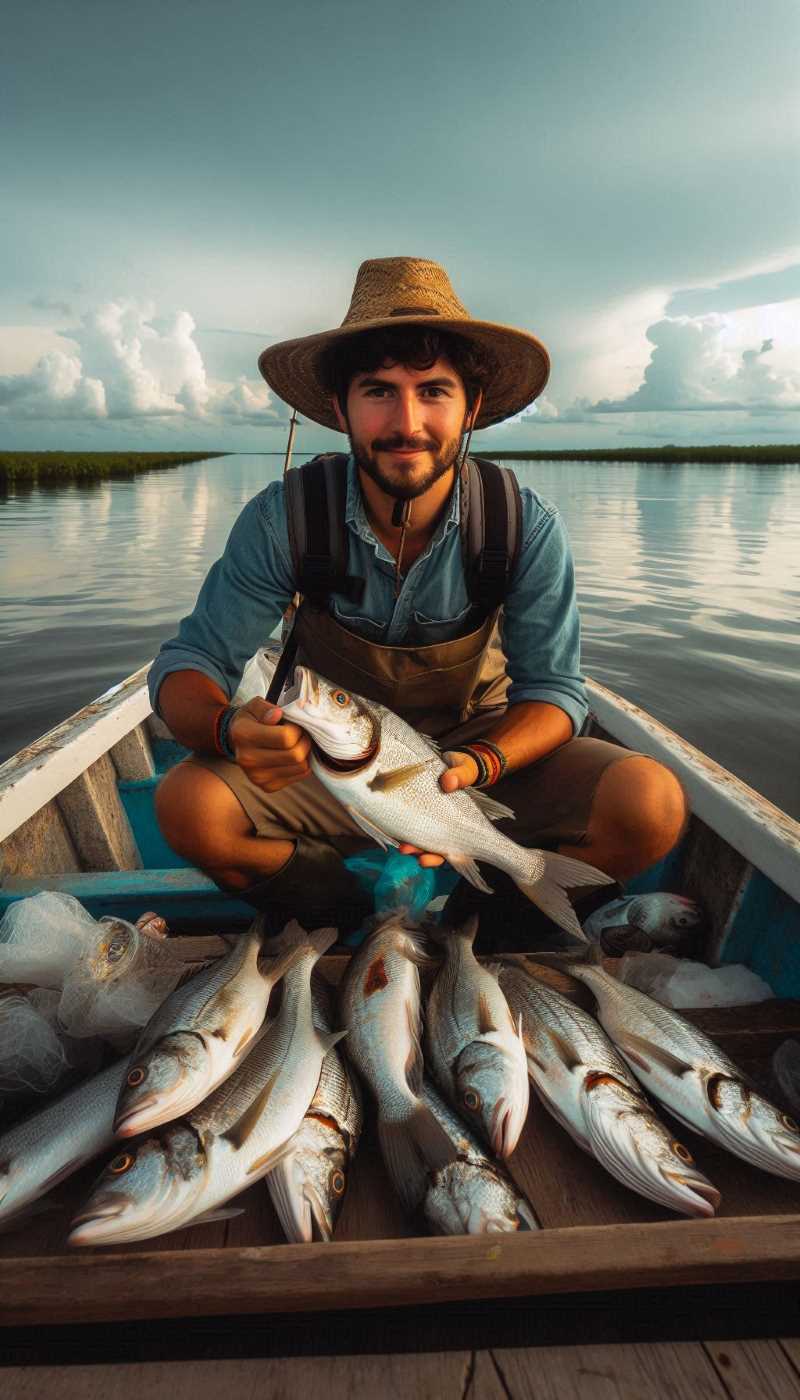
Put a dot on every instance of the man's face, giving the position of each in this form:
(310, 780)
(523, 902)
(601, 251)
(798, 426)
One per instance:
(405, 425)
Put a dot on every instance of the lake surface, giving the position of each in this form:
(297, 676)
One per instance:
(688, 578)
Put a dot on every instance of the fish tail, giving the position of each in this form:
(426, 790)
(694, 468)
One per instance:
(412, 1147)
(441, 933)
(322, 939)
(547, 892)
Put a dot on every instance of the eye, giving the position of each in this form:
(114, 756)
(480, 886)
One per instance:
(115, 950)
(789, 1123)
(136, 1077)
(341, 698)
(338, 1182)
(682, 1152)
(472, 1100)
(121, 1164)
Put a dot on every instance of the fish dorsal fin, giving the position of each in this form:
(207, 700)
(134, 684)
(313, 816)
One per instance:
(486, 1021)
(566, 1053)
(491, 808)
(240, 1131)
(645, 1054)
(392, 778)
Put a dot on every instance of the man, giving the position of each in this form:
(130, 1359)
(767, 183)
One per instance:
(407, 377)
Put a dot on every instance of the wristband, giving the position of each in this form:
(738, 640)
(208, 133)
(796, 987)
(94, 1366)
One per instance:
(222, 724)
(478, 760)
(492, 759)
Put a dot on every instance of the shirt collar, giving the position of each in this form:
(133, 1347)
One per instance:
(356, 515)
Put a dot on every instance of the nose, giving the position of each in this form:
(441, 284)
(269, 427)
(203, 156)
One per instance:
(408, 416)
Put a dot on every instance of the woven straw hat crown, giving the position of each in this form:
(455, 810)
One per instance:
(402, 291)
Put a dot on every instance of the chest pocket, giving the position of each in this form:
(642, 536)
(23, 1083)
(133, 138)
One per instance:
(424, 630)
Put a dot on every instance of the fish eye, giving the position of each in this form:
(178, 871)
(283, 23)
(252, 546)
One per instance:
(472, 1100)
(340, 697)
(789, 1123)
(135, 1077)
(338, 1182)
(115, 950)
(121, 1164)
(682, 1152)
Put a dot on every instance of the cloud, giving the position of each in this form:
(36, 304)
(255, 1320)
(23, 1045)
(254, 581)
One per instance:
(542, 410)
(696, 364)
(129, 363)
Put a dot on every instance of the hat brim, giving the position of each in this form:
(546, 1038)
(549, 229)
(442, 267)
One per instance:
(523, 366)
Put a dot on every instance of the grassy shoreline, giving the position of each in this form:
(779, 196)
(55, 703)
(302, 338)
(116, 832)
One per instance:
(785, 454)
(89, 466)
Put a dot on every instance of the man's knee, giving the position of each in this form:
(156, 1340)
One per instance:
(642, 807)
(199, 816)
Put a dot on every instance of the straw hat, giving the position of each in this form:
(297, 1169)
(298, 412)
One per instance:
(409, 291)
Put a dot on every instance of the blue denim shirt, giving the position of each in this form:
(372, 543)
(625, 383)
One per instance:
(246, 592)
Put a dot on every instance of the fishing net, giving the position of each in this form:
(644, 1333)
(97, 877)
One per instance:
(41, 937)
(120, 979)
(32, 1055)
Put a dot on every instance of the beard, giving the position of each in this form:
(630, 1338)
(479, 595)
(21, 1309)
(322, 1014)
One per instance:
(395, 481)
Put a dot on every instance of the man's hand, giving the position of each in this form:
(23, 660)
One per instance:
(461, 772)
(272, 754)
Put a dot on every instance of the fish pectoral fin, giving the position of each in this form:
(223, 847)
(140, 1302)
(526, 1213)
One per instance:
(269, 1160)
(240, 1131)
(566, 1053)
(491, 808)
(226, 1213)
(414, 1062)
(486, 1021)
(468, 870)
(370, 829)
(327, 1039)
(393, 778)
(645, 1054)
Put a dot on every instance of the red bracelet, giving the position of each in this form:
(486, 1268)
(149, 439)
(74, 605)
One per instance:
(217, 723)
(494, 760)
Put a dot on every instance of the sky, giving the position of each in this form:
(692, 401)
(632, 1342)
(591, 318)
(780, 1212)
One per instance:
(183, 184)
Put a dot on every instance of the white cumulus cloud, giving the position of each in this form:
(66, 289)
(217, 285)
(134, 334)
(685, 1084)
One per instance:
(129, 363)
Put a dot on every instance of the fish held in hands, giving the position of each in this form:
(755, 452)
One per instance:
(380, 1006)
(187, 1170)
(200, 1034)
(589, 1090)
(692, 1077)
(472, 1195)
(475, 1046)
(386, 775)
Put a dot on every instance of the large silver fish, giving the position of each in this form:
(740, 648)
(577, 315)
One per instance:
(472, 1195)
(386, 775)
(200, 1034)
(46, 1148)
(308, 1185)
(642, 922)
(380, 1006)
(190, 1168)
(475, 1046)
(590, 1091)
(696, 1081)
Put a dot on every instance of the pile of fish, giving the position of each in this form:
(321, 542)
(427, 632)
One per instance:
(239, 1076)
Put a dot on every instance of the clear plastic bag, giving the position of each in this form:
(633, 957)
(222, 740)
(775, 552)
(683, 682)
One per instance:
(682, 982)
(256, 676)
(42, 937)
(32, 1055)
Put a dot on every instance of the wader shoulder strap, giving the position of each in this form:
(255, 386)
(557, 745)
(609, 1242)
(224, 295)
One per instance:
(316, 498)
(491, 530)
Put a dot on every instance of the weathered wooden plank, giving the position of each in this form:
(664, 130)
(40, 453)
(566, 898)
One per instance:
(614, 1372)
(759, 831)
(42, 769)
(423, 1376)
(132, 755)
(41, 846)
(754, 1370)
(791, 1345)
(97, 823)
(378, 1273)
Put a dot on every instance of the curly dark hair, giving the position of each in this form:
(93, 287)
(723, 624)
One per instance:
(414, 347)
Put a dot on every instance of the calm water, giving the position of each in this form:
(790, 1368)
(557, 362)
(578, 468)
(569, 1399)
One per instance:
(688, 576)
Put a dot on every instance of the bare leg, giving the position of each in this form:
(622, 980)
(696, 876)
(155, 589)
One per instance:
(205, 823)
(638, 814)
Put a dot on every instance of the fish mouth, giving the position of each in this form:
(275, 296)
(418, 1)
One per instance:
(134, 1120)
(89, 1227)
(320, 1224)
(698, 1196)
(304, 687)
(505, 1130)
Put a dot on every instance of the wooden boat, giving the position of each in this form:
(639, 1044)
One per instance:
(76, 815)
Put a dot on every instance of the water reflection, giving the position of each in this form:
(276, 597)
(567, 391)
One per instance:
(688, 577)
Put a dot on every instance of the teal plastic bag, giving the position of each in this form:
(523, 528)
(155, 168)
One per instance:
(399, 882)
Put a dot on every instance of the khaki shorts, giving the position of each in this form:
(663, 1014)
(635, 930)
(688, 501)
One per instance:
(552, 799)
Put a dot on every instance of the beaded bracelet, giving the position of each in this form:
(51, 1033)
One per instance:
(494, 757)
(222, 724)
(478, 760)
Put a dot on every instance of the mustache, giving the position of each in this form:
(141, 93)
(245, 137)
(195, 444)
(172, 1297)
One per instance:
(402, 444)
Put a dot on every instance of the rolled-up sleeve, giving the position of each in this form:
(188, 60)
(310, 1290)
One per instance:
(243, 597)
(541, 626)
